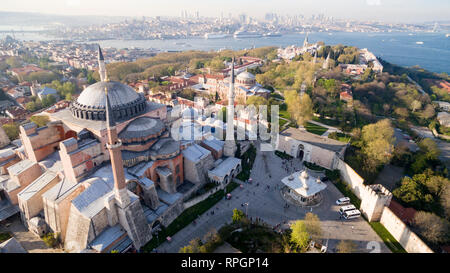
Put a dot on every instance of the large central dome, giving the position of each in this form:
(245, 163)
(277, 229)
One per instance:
(125, 102)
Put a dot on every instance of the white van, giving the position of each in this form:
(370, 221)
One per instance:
(343, 201)
(346, 208)
(352, 214)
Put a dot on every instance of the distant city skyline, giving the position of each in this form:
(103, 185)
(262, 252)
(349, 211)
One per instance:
(379, 10)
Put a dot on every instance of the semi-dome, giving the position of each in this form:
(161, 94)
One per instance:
(125, 102)
(141, 129)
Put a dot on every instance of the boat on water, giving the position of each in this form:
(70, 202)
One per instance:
(419, 43)
(272, 34)
(216, 35)
(247, 34)
(447, 35)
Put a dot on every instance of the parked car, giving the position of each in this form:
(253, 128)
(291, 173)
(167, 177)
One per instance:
(343, 201)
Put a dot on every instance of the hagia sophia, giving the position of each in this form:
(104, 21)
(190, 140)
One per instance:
(105, 173)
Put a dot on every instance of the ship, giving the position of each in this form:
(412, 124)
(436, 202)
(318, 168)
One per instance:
(247, 34)
(419, 43)
(216, 35)
(272, 34)
(447, 35)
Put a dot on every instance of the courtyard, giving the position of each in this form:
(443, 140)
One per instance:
(262, 199)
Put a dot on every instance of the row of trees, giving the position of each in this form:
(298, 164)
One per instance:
(36, 103)
(65, 90)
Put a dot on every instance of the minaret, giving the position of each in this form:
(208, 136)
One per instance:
(115, 155)
(101, 65)
(326, 63)
(229, 148)
(305, 43)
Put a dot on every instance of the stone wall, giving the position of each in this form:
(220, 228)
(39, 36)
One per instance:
(33, 205)
(79, 161)
(408, 239)
(78, 229)
(41, 142)
(350, 177)
(375, 200)
(197, 172)
(194, 201)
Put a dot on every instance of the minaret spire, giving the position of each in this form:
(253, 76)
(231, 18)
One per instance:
(305, 43)
(115, 155)
(326, 63)
(101, 66)
(230, 145)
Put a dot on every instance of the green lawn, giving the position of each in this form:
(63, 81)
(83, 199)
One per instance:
(313, 166)
(187, 217)
(282, 122)
(315, 129)
(248, 158)
(341, 137)
(4, 236)
(284, 114)
(283, 155)
(387, 238)
(329, 122)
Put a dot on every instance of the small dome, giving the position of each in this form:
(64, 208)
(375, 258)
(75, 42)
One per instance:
(245, 76)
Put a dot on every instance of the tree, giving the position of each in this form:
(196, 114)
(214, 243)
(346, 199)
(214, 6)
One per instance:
(217, 64)
(429, 148)
(299, 106)
(11, 130)
(346, 246)
(192, 247)
(14, 62)
(238, 216)
(299, 235)
(256, 101)
(415, 105)
(378, 139)
(312, 224)
(445, 201)
(48, 101)
(402, 112)
(40, 120)
(31, 106)
(367, 75)
(428, 112)
(433, 228)
(41, 76)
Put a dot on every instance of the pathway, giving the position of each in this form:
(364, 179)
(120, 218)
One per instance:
(331, 129)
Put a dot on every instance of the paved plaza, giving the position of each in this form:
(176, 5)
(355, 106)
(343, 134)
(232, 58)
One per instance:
(265, 201)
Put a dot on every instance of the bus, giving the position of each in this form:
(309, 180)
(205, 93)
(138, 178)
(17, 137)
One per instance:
(346, 208)
(352, 214)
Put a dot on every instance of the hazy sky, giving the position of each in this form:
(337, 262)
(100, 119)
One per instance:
(384, 10)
